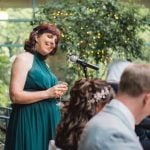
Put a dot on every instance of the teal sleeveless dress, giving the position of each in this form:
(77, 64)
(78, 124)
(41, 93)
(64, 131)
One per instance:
(31, 126)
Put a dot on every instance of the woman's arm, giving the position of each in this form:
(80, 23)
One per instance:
(20, 68)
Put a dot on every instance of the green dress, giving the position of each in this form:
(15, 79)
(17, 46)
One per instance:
(31, 126)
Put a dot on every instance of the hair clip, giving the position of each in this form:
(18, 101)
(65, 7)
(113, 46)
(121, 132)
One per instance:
(100, 96)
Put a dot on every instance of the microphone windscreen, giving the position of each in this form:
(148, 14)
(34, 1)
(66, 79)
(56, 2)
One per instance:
(73, 58)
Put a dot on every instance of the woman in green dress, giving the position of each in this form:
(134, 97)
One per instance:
(33, 91)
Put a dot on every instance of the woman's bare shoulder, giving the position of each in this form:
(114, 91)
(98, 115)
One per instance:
(24, 58)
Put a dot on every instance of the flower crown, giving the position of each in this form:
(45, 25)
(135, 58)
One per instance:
(100, 96)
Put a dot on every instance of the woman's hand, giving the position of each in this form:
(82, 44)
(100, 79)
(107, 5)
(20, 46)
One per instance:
(57, 91)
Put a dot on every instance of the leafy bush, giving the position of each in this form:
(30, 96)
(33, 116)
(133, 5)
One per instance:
(98, 30)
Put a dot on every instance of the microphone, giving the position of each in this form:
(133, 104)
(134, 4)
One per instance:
(83, 63)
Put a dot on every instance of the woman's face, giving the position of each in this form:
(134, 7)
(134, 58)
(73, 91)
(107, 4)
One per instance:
(45, 43)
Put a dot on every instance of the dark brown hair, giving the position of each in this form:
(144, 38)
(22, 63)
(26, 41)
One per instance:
(81, 109)
(39, 30)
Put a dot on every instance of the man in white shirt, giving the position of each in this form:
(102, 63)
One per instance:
(114, 72)
(113, 127)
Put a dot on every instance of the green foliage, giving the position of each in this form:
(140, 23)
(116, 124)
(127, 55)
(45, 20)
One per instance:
(4, 79)
(4, 95)
(4, 66)
(97, 29)
(92, 27)
(13, 35)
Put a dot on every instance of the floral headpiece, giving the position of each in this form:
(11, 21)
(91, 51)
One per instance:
(100, 96)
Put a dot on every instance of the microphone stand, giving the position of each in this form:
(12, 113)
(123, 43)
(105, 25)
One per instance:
(85, 70)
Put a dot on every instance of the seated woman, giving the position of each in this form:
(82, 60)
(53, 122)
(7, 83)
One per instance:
(87, 97)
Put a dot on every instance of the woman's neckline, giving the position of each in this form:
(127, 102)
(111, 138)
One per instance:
(40, 56)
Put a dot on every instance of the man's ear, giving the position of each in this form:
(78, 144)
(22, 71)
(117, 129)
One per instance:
(146, 100)
(148, 103)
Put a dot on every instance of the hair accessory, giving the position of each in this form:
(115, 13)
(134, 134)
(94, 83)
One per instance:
(100, 96)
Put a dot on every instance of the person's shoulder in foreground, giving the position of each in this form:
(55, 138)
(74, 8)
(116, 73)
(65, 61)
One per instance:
(113, 127)
(107, 132)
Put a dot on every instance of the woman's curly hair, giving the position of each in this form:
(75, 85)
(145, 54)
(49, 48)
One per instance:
(80, 110)
(39, 30)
